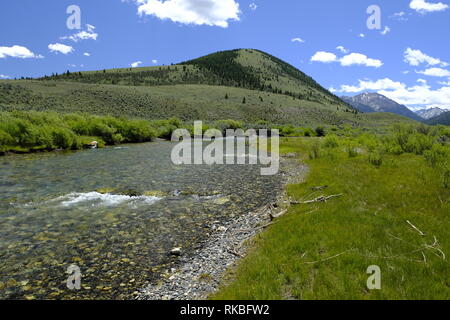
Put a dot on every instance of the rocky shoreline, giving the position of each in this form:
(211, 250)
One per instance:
(202, 272)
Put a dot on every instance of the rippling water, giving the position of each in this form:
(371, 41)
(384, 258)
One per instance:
(115, 213)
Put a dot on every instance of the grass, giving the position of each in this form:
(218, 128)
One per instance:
(323, 250)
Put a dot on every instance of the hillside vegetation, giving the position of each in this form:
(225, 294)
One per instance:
(244, 85)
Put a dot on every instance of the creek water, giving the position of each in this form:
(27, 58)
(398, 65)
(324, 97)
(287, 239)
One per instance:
(115, 213)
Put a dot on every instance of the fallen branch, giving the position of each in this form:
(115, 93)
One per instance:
(275, 216)
(318, 199)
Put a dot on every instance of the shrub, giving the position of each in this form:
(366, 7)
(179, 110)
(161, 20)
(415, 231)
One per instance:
(320, 131)
(308, 132)
(370, 141)
(445, 177)
(375, 158)
(63, 138)
(351, 150)
(437, 155)
(315, 150)
(331, 141)
(418, 143)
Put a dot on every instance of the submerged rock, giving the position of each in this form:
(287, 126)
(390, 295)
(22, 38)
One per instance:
(176, 252)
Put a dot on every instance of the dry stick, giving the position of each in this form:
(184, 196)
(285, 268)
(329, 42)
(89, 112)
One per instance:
(275, 216)
(329, 258)
(319, 199)
(415, 228)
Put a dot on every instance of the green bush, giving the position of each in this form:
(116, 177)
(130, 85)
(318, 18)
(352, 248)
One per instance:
(320, 131)
(315, 151)
(437, 156)
(445, 177)
(308, 132)
(418, 143)
(375, 158)
(331, 141)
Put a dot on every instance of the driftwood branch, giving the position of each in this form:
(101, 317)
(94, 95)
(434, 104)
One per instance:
(275, 216)
(318, 199)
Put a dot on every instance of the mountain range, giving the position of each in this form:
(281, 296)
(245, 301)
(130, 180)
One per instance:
(443, 118)
(374, 102)
(430, 113)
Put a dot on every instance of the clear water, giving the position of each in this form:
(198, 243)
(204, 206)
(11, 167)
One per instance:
(53, 214)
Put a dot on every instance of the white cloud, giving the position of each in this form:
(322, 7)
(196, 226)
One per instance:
(300, 40)
(400, 16)
(362, 35)
(342, 49)
(360, 59)
(435, 72)
(386, 30)
(347, 60)
(415, 97)
(423, 6)
(88, 34)
(363, 85)
(61, 48)
(136, 64)
(197, 12)
(154, 61)
(445, 83)
(325, 57)
(2, 76)
(86, 54)
(417, 57)
(18, 52)
(253, 6)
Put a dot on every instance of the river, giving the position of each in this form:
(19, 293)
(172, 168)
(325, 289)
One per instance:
(116, 213)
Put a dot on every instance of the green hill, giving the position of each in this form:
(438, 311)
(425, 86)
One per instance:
(246, 85)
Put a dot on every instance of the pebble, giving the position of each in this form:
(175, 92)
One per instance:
(215, 255)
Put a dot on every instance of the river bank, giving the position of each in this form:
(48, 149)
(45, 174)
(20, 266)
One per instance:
(197, 275)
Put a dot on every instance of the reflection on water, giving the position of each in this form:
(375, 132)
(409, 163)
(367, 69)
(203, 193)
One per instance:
(116, 213)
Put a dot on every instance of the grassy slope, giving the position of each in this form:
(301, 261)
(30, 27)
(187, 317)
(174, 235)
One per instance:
(367, 226)
(188, 102)
(193, 90)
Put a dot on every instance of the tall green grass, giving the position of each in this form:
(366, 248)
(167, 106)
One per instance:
(323, 250)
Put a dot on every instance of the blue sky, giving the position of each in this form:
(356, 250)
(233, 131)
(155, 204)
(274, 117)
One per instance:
(407, 59)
